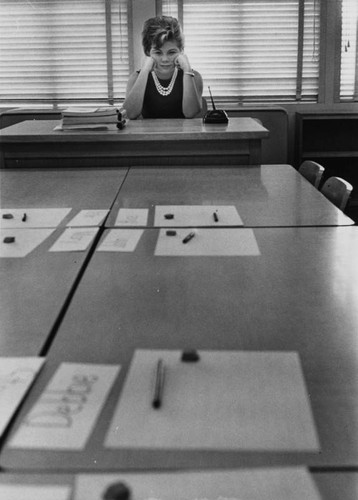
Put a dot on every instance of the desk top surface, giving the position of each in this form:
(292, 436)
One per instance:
(137, 130)
(264, 195)
(299, 295)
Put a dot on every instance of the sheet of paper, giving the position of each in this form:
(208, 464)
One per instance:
(34, 492)
(74, 240)
(253, 401)
(66, 412)
(120, 240)
(32, 217)
(196, 215)
(26, 240)
(16, 377)
(244, 484)
(207, 242)
(88, 218)
(132, 217)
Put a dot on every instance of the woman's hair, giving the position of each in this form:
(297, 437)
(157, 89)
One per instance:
(161, 29)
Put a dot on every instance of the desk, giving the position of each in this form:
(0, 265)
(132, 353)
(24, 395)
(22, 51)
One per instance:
(141, 142)
(264, 195)
(82, 189)
(331, 486)
(300, 294)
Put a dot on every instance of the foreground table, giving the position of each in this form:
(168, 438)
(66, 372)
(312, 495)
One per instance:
(299, 295)
(264, 195)
(83, 189)
(141, 142)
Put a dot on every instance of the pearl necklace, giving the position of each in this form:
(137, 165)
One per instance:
(165, 91)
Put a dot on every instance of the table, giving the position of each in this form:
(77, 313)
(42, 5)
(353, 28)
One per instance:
(264, 195)
(141, 142)
(300, 294)
(330, 485)
(36, 287)
(84, 189)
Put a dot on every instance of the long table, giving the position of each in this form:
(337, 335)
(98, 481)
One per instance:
(141, 142)
(299, 295)
(36, 287)
(264, 195)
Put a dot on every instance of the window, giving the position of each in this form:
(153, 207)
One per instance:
(253, 50)
(61, 51)
(349, 52)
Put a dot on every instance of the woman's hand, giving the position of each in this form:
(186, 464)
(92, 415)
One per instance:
(182, 62)
(148, 64)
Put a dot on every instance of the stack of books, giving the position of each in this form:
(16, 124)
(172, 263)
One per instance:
(76, 118)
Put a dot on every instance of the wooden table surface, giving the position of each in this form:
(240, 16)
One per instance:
(299, 294)
(264, 195)
(79, 189)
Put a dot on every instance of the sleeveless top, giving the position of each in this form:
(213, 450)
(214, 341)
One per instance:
(156, 105)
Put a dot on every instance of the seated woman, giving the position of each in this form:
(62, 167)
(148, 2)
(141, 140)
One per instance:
(166, 86)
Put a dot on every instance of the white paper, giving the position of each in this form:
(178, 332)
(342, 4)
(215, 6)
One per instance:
(207, 242)
(66, 412)
(74, 240)
(34, 492)
(244, 484)
(250, 401)
(196, 215)
(16, 377)
(88, 218)
(120, 240)
(132, 217)
(35, 217)
(26, 240)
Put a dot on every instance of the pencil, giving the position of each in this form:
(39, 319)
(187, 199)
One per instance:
(159, 385)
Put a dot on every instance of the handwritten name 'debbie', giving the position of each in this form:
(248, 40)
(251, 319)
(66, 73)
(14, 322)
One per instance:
(57, 408)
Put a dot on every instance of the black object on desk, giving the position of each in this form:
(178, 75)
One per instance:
(215, 115)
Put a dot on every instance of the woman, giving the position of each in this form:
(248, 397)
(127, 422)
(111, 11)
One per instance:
(166, 86)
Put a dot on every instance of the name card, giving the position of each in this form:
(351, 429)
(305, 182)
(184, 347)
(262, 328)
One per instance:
(16, 377)
(74, 240)
(34, 492)
(88, 218)
(66, 413)
(121, 240)
(132, 217)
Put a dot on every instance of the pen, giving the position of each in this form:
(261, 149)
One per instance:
(216, 218)
(189, 237)
(24, 217)
(159, 385)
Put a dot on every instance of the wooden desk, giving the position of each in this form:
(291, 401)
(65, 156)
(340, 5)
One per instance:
(81, 189)
(35, 288)
(300, 294)
(264, 195)
(33, 291)
(331, 485)
(141, 142)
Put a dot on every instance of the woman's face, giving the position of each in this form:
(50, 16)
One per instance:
(165, 57)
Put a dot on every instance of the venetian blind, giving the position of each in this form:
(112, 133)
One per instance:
(253, 50)
(63, 50)
(349, 52)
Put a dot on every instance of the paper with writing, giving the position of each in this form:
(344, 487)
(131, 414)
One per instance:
(66, 412)
(132, 217)
(228, 400)
(26, 240)
(35, 217)
(34, 492)
(74, 239)
(208, 242)
(120, 240)
(254, 484)
(197, 215)
(16, 377)
(88, 218)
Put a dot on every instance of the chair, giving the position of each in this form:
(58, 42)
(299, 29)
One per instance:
(337, 191)
(312, 171)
